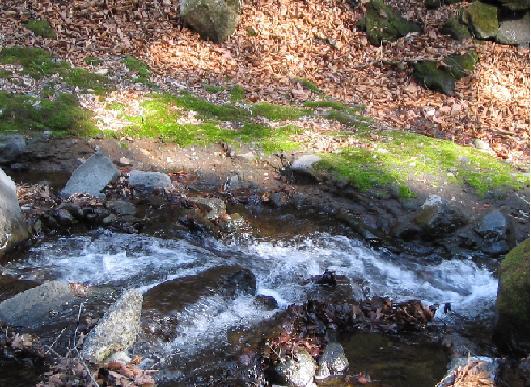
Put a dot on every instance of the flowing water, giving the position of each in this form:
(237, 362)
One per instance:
(283, 270)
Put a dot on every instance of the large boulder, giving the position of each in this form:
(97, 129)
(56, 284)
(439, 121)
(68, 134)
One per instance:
(32, 307)
(512, 305)
(482, 19)
(514, 31)
(212, 19)
(11, 147)
(91, 177)
(117, 330)
(442, 77)
(13, 228)
(493, 228)
(383, 24)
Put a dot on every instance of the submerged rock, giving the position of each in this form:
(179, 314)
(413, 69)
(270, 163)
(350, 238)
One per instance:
(212, 19)
(117, 330)
(514, 31)
(383, 24)
(32, 307)
(482, 19)
(298, 371)
(13, 228)
(91, 177)
(214, 207)
(149, 181)
(333, 358)
(512, 305)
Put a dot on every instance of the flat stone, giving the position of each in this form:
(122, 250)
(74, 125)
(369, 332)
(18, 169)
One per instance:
(32, 307)
(91, 177)
(122, 207)
(11, 147)
(117, 330)
(148, 181)
(514, 32)
(13, 228)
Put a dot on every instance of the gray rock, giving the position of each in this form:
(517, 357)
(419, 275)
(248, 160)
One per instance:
(493, 225)
(333, 358)
(122, 207)
(117, 330)
(212, 19)
(215, 207)
(514, 31)
(436, 217)
(471, 371)
(124, 162)
(32, 307)
(482, 145)
(64, 217)
(304, 164)
(91, 177)
(13, 228)
(149, 181)
(11, 147)
(299, 371)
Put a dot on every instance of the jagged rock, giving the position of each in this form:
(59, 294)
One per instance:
(456, 29)
(333, 358)
(11, 147)
(383, 24)
(117, 330)
(267, 302)
(149, 181)
(212, 19)
(91, 177)
(482, 19)
(13, 228)
(512, 305)
(214, 207)
(32, 307)
(298, 371)
(432, 75)
(514, 31)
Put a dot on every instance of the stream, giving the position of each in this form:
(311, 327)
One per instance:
(202, 325)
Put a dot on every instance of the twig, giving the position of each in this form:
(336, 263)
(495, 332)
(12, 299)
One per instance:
(50, 347)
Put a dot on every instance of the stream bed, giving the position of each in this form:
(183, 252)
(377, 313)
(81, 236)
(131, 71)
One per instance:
(197, 328)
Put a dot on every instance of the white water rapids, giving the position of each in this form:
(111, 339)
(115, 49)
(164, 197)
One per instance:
(282, 270)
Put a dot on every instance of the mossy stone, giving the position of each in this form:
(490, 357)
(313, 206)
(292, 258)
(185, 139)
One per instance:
(512, 305)
(461, 65)
(383, 24)
(212, 19)
(482, 18)
(41, 27)
(456, 29)
(430, 75)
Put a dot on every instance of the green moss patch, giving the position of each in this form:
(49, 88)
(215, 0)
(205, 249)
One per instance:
(20, 113)
(36, 62)
(92, 60)
(309, 85)
(41, 28)
(275, 112)
(237, 93)
(86, 80)
(482, 19)
(456, 29)
(401, 156)
(140, 68)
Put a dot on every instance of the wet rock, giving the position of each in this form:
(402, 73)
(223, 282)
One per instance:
(117, 330)
(471, 371)
(212, 19)
(493, 225)
(64, 217)
(225, 281)
(335, 289)
(333, 358)
(515, 5)
(32, 307)
(91, 177)
(382, 24)
(482, 19)
(122, 207)
(456, 29)
(13, 228)
(304, 164)
(514, 32)
(437, 218)
(11, 147)
(214, 207)
(149, 181)
(298, 371)
(512, 305)
(267, 302)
